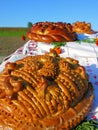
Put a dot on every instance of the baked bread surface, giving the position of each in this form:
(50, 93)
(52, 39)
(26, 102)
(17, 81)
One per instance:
(82, 27)
(51, 32)
(44, 92)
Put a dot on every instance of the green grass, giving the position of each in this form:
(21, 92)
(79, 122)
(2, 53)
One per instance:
(13, 32)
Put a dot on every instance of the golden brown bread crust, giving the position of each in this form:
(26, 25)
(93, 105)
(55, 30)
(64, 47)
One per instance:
(82, 27)
(44, 92)
(51, 32)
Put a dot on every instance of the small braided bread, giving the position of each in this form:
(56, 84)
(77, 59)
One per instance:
(82, 27)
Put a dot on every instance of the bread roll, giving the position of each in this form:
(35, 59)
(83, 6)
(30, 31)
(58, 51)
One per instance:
(82, 27)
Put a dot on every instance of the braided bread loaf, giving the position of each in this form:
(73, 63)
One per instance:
(51, 32)
(82, 27)
(44, 92)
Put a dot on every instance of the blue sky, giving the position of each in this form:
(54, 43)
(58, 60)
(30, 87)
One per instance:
(17, 13)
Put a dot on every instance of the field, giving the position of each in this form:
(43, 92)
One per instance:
(10, 40)
(12, 31)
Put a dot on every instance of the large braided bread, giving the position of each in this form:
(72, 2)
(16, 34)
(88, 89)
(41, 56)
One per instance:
(51, 32)
(44, 92)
